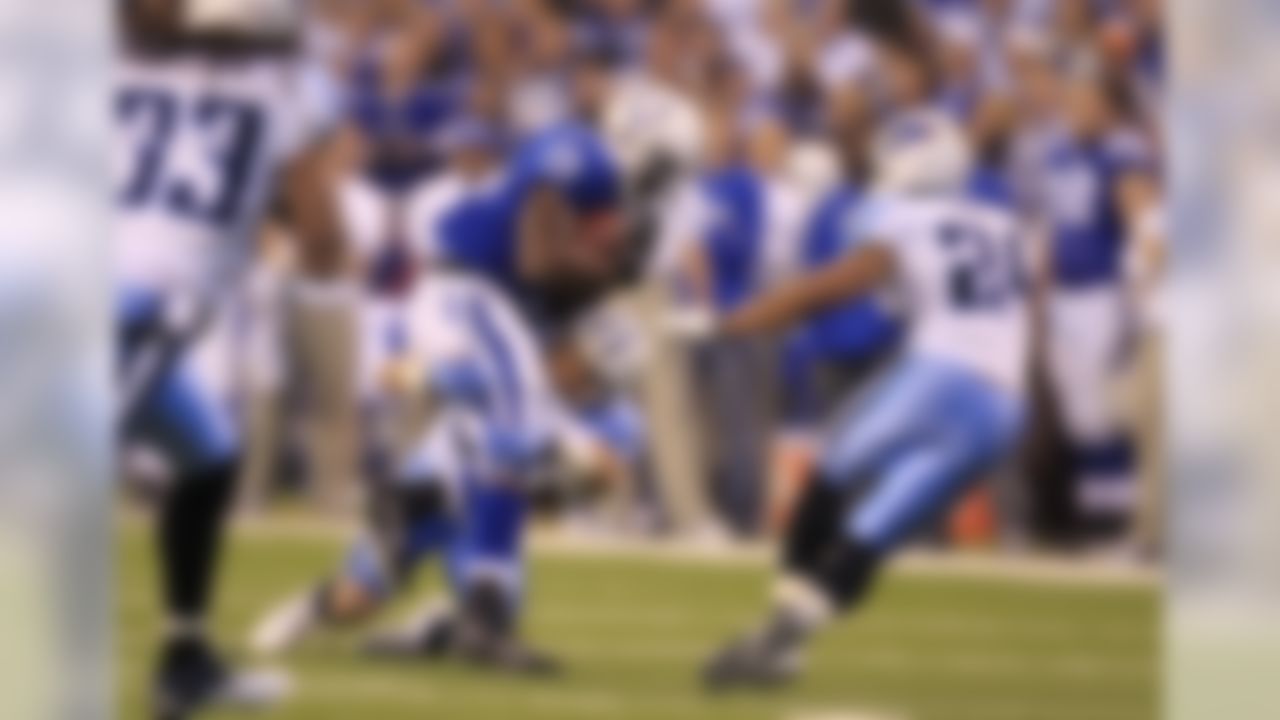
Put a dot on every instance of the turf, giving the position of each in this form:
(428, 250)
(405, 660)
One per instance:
(634, 630)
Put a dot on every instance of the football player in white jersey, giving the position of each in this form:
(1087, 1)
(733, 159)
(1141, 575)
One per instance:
(948, 411)
(211, 136)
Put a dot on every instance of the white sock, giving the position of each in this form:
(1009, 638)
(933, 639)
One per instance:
(804, 601)
(185, 628)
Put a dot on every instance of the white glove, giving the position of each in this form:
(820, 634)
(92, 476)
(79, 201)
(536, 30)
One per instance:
(691, 323)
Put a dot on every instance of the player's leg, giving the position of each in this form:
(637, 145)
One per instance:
(412, 517)
(486, 371)
(173, 411)
(494, 380)
(862, 445)
(1087, 352)
(410, 505)
(487, 576)
(412, 525)
(400, 503)
(499, 453)
(957, 428)
(478, 621)
(864, 440)
(529, 433)
(509, 441)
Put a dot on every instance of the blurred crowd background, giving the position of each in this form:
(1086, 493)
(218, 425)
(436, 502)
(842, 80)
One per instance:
(718, 434)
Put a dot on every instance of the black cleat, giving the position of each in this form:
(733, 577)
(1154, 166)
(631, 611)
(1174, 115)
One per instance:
(487, 636)
(767, 659)
(192, 678)
(430, 637)
(440, 633)
(743, 664)
(510, 656)
(497, 647)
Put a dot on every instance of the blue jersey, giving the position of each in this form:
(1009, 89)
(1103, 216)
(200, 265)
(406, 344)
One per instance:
(404, 131)
(858, 329)
(991, 186)
(480, 235)
(1083, 212)
(735, 239)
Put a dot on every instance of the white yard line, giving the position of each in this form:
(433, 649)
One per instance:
(842, 715)
(565, 702)
(1037, 568)
(1074, 666)
(1030, 567)
(918, 624)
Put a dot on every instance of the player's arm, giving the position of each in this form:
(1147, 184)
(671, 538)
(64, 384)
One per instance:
(1037, 265)
(546, 232)
(307, 196)
(847, 277)
(694, 271)
(1138, 197)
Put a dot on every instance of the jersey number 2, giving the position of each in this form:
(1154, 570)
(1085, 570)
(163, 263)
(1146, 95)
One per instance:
(984, 273)
(232, 132)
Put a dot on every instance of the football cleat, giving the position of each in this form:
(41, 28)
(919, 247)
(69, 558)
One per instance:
(428, 636)
(496, 646)
(192, 678)
(285, 626)
(762, 660)
(509, 655)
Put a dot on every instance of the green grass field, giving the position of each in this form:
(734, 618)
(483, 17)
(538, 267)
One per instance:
(634, 630)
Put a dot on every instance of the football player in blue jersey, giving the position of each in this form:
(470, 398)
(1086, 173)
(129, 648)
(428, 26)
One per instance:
(1100, 196)
(213, 127)
(842, 347)
(515, 263)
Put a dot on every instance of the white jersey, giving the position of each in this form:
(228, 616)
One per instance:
(369, 218)
(199, 143)
(961, 267)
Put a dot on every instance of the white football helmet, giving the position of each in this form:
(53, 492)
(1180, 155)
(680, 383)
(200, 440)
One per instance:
(246, 18)
(814, 167)
(644, 121)
(922, 152)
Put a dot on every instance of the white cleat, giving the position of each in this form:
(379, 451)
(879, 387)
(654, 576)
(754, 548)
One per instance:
(254, 689)
(428, 634)
(285, 626)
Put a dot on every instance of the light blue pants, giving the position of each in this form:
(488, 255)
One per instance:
(170, 410)
(923, 435)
